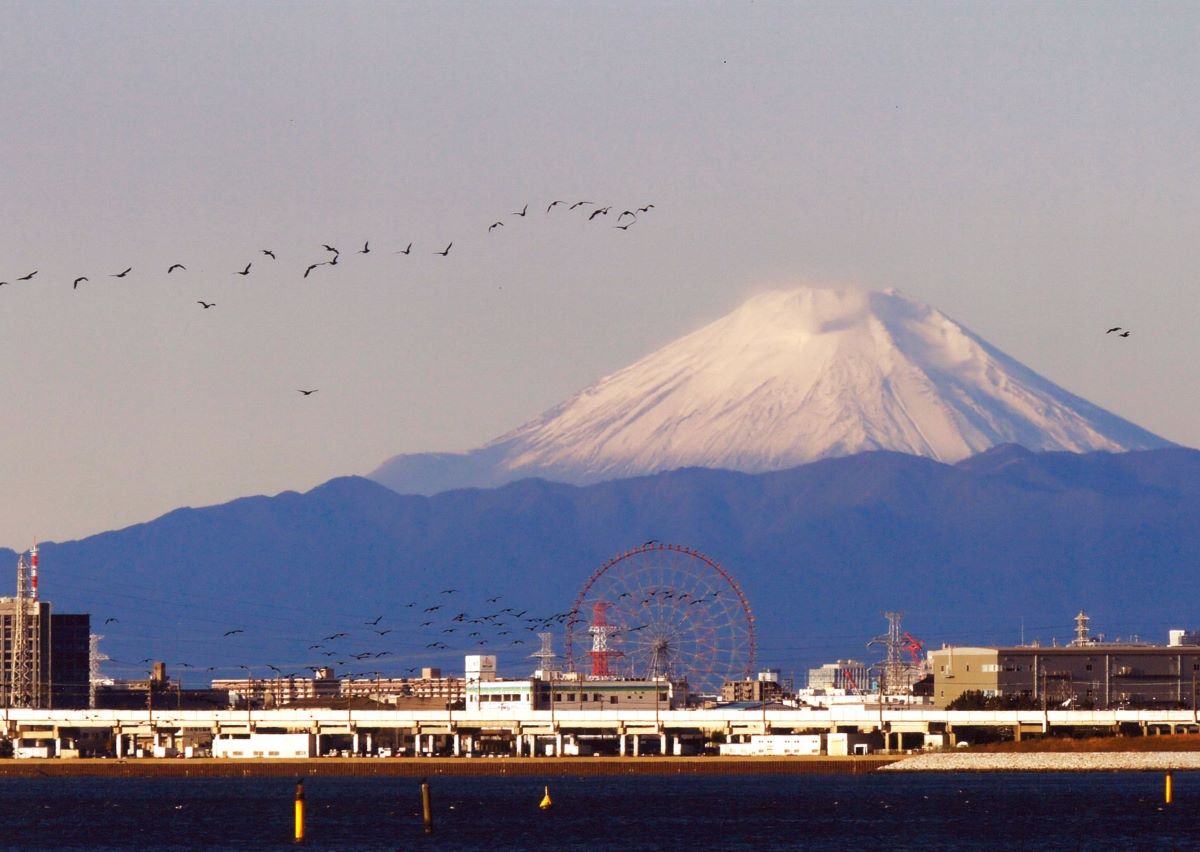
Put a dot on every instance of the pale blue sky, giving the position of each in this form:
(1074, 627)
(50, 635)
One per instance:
(1029, 168)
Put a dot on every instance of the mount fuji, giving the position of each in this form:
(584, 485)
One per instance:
(788, 378)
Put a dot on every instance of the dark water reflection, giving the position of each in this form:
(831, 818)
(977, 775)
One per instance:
(884, 810)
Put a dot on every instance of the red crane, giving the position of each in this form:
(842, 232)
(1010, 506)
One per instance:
(914, 646)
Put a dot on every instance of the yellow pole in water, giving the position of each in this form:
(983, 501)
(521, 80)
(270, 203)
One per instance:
(1168, 790)
(546, 804)
(426, 808)
(300, 811)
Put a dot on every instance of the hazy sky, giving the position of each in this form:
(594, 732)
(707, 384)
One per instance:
(1031, 169)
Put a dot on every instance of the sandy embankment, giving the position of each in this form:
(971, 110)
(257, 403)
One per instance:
(1104, 761)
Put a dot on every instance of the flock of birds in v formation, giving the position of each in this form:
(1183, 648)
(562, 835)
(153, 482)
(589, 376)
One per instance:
(624, 220)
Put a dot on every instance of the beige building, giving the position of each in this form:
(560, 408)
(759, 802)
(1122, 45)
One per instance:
(1099, 675)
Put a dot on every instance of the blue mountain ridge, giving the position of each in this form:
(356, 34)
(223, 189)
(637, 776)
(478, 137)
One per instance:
(972, 553)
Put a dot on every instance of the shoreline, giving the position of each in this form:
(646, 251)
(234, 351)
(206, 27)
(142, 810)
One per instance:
(1050, 761)
(416, 767)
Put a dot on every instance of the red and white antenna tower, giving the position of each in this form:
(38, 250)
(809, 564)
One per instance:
(601, 630)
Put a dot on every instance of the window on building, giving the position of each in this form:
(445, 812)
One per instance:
(612, 699)
(570, 696)
(596, 696)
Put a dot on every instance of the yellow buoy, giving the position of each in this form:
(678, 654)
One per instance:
(546, 804)
(1167, 795)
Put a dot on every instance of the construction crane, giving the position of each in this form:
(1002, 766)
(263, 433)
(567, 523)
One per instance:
(915, 648)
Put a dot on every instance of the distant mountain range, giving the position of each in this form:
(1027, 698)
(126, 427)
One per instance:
(969, 551)
(788, 378)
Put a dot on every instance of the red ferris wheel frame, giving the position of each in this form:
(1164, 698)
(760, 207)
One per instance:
(578, 617)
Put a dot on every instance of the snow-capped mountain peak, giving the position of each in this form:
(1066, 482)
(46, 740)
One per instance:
(787, 378)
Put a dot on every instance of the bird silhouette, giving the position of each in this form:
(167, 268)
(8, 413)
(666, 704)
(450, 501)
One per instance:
(579, 204)
(645, 209)
(175, 266)
(269, 253)
(625, 213)
(495, 225)
(28, 277)
(334, 261)
(554, 204)
(1123, 334)
(77, 281)
(311, 268)
(600, 211)
(407, 250)
(334, 636)
(232, 632)
(366, 249)
(384, 632)
(205, 305)
(375, 622)
(109, 620)
(330, 248)
(245, 271)
(524, 210)
(624, 227)
(446, 252)
(310, 393)
(122, 274)
(1114, 328)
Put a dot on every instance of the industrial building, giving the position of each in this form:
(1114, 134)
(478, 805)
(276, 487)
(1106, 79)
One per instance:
(1087, 673)
(546, 690)
(44, 656)
(848, 675)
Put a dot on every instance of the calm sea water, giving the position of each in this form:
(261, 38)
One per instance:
(880, 811)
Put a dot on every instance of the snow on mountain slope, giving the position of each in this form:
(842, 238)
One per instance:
(788, 378)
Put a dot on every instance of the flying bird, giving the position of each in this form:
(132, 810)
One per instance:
(554, 204)
(122, 274)
(524, 210)
(1114, 328)
(449, 591)
(645, 209)
(311, 268)
(310, 393)
(624, 227)
(335, 260)
(245, 271)
(1123, 334)
(625, 213)
(109, 620)
(375, 622)
(384, 632)
(77, 281)
(495, 225)
(446, 252)
(205, 305)
(334, 636)
(601, 211)
(29, 277)
(330, 248)
(579, 203)
(366, 249)
(269, 253)
(232, 632)
(407, 250)
(175, 266)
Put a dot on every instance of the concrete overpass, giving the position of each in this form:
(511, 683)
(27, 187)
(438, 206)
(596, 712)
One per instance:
(520, 732)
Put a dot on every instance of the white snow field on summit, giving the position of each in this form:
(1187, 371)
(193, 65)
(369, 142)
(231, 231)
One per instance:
(788, 378)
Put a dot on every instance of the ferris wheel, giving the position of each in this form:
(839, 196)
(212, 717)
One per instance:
(662, 610)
